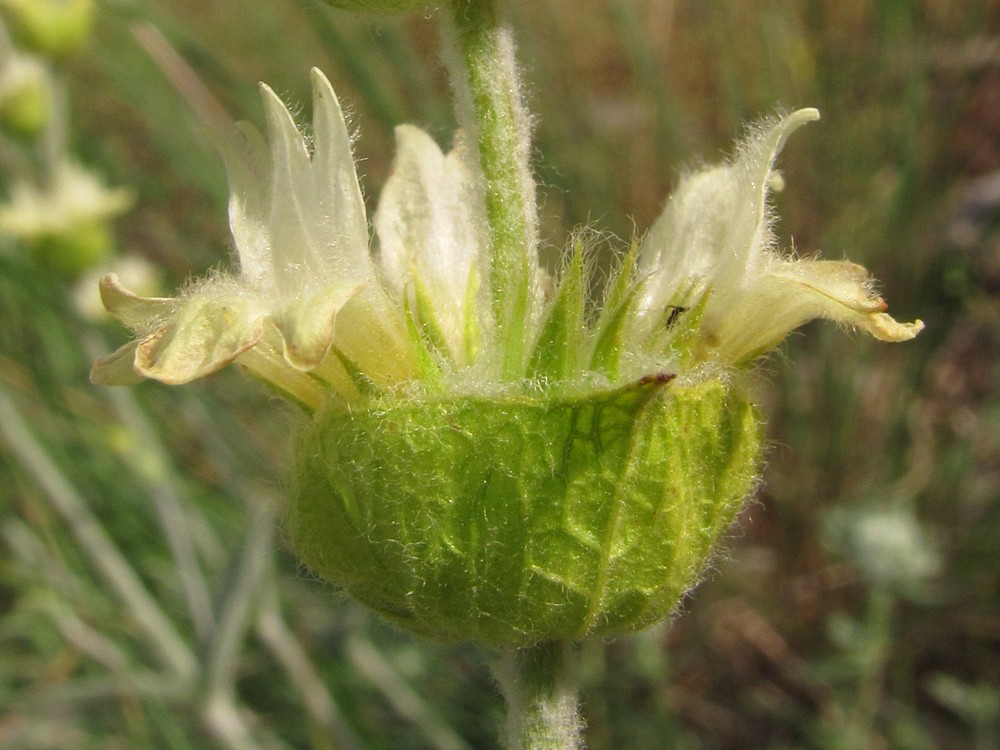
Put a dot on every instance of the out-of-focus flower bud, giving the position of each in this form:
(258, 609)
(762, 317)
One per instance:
(25, 95)
(66, 223)
(54, 28)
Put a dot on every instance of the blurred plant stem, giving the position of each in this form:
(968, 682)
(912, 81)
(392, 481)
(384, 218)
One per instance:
(406, 701)
(93, 539)
(53, 145)
(856, 725)
(250, 597)
(149, 460)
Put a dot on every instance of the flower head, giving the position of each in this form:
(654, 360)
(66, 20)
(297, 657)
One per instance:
(470, 477)
(298, 222)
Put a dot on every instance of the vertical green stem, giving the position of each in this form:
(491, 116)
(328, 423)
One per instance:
(491, 110)
(539, 684)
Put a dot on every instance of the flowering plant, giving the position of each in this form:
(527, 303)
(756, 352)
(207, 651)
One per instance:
(493, 452)
(410, 337)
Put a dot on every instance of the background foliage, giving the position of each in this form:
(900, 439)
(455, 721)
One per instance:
(146, 599)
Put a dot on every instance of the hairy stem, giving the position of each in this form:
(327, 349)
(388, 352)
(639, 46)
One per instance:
(492, 112)
(539, 684)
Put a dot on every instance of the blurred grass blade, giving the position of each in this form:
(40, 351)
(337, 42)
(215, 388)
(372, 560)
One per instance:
(94, 541)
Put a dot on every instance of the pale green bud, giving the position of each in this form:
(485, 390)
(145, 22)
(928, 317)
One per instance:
(70, 253)
(25, 95)
(55, 28)
(514, 519)
(64, 223)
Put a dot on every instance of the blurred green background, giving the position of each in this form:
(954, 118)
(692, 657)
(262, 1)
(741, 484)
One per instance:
(146, 597)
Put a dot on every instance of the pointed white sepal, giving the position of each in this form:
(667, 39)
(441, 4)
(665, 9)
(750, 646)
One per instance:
(713, 248)
(431, 233)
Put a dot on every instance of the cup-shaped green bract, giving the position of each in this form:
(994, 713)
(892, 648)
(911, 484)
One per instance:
(512, 520)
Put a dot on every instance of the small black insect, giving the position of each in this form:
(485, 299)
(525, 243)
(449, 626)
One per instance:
(659, 378)
(674, 313)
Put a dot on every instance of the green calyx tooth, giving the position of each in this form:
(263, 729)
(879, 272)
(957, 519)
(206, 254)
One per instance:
(511, 520)
(557, 351)
(612, 323)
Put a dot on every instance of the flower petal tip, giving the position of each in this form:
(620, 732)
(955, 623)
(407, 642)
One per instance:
(132, 310)
(321, 84)
(885, 328)
(806, 114)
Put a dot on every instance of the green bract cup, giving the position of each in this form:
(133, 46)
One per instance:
(513, 520)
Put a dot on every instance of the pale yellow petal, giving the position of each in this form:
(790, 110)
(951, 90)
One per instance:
(297, 247)
(335, 182)
(791, 294)
(834, 288)
(431, 232)
(371, 333)
(248, 167)
(204, 335)
(715, 229)
(885, 328)
(307, 325)
(138, 313)
(844, 292)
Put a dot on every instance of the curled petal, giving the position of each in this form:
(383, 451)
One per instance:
(118, 368)
(138, 313)
(885, 328)
(841, 291)
(835, 288)
(306, 325)
(713, 248)
(207, 333)
(791, 294)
